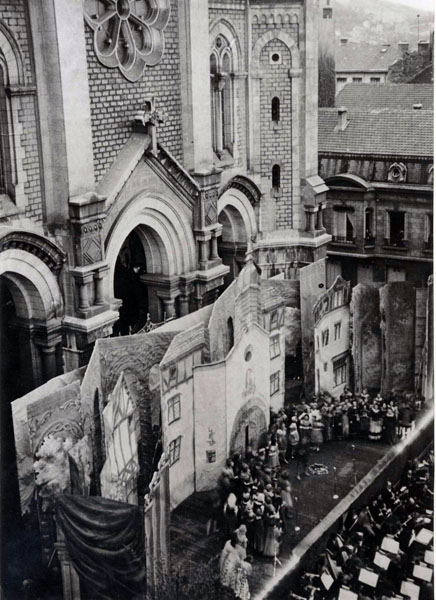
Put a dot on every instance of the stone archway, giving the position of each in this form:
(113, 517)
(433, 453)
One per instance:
(168, 248)
(249, 427)
(237, 216)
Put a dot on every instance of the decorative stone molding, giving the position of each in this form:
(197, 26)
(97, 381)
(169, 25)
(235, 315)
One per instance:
(40, 247)
(128, 37)
(397, 173)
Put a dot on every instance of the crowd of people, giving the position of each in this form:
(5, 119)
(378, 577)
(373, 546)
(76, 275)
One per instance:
(382, 551)
(254, 500)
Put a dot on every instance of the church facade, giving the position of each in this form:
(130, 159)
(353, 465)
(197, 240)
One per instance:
(143, 149)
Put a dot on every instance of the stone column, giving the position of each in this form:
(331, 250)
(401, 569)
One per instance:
(49, 362)
(169, 309)
(99, 288)
(214, 246)
(184, 305)
(204, 254)
(319, 218)
(310, 218)
(83, 295)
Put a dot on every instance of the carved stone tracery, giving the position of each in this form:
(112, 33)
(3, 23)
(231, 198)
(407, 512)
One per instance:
(128, 34)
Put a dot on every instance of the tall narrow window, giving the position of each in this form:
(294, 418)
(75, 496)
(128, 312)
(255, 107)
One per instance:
(6, 163)
(221, 70)
(276, 177)
(275, 109)
(230, 334)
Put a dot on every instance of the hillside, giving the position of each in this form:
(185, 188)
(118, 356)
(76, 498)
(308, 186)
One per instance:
(380, 21)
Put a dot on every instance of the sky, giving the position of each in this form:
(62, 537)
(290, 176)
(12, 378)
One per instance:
(418, 4)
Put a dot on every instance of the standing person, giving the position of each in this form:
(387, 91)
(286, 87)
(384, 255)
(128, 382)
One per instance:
(242, 540)
(337, 422)
(375, 422)
(327, 417)
(354, 418)
(345, 419)
(230, 515)
(229, 562)
(305, 429)
(214, 521)
(301, 460)
(390, 422)
(273, 454)
(270, 547)
(241, 587)
(294, 436)
(259, 531)
(317, 432)
(282, 443)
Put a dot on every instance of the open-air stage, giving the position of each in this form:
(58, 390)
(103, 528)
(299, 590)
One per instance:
(318, 511)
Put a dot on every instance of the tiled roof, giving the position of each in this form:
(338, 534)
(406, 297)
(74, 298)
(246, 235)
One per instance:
(185, 342)
(398, 133)
(359, 57)
(395, 96)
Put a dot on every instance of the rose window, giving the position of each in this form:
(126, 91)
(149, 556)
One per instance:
(128, 34)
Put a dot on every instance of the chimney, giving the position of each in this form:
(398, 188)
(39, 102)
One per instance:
(403, 47)
(423, 46)
(342, 118)
(344, 41)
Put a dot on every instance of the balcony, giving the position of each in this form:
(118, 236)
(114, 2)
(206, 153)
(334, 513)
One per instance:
(344, 241)
(369, 242)
(395, 245)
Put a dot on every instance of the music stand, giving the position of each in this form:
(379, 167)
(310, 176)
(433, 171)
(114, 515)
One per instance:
(390, 545)
(382, 560)
(424, 537)
(429, 557)
(423, 572)
(408, 588)
(327, 580)
(368, 577)
(346, 594)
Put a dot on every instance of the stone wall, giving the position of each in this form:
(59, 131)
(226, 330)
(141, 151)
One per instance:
(114, 100)
(14, 15)
(366, 346)
(312, 286)
(397, 307)
(276, 137)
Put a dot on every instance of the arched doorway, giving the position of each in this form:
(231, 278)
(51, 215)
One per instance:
(237, 216)
(130, 265)
(150, 244)
(249, 429)
(30, 354)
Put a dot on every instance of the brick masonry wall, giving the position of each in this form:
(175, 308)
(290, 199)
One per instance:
(234, 14)
(276, 145)
(114, 100)
(14, 14)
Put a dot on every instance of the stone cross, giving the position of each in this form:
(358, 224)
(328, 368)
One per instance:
(150, 118)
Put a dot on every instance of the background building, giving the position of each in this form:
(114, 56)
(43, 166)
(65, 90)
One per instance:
(377, 158)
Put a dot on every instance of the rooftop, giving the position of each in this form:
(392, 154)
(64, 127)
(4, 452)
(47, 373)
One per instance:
(185, 342)
(361, 57)
(396, 133)
(394, 96)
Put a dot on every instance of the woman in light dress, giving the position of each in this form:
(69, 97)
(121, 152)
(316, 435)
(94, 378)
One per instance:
(234, 570)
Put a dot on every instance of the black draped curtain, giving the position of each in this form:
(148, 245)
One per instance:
(105, 543)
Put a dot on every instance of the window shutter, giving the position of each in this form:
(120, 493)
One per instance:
(387, 225)
(406, 226)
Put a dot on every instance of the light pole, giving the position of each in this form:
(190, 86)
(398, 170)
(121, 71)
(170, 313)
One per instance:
(417, 16)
